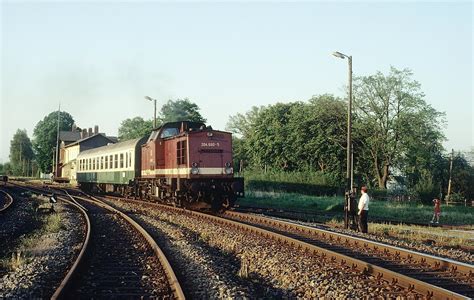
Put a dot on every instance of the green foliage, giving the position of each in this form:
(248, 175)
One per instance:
(379, 210)
(45, 137)
(425, 190)
(134, 128)
(294, 136)
(394, 124)
(307, 183)
(180, 110)
(21, 153)
(462, 182)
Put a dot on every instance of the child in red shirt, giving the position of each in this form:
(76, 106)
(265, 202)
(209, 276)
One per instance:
(437, 210)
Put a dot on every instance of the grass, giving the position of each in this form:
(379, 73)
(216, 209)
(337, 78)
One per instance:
(35, 241)
(411, 212)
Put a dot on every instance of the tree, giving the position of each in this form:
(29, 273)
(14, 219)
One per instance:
(393, 121)
(180, 110)
(45, 136)
(134, 128)
(21, 153)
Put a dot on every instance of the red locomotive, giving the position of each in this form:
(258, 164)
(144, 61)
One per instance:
(184, 163)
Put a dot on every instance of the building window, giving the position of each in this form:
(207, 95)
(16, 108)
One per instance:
(121, 160)
(181, 152)
(116, 161)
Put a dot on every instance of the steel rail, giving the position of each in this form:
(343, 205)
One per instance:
(410, 284)
(9, 201)
(172, 279)
(434, 261)
(60, 292)
(350, 241)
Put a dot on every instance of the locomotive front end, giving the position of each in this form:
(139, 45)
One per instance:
(211, 172)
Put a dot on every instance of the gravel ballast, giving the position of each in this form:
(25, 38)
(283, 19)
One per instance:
(218, 261)
(46, 262)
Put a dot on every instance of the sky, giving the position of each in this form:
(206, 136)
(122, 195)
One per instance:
(99, 59)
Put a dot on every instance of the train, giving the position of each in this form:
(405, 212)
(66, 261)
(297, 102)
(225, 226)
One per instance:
(183, 163)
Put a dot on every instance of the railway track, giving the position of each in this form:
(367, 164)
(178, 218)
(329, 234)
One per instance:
(118, 259)
(429, 275)
(417, 273)
(321, 217)
(6, 201)
(131, 270)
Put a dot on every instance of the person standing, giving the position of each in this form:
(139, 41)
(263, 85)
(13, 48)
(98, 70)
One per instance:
(363, 209)
(437, 210)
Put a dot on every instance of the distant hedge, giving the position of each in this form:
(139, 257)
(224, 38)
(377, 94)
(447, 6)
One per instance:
(288, 187)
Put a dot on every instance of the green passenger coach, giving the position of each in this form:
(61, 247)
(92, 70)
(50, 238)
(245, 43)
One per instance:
(110, 167)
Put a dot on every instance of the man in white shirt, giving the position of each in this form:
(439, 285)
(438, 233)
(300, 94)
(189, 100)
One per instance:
(363, 209)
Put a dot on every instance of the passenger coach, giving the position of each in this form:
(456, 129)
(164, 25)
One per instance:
(111, 168)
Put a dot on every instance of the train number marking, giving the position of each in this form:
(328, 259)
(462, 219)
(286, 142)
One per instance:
(212, 144)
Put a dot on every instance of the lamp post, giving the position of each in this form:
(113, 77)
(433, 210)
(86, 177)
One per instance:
(154, 116)
(349, 171)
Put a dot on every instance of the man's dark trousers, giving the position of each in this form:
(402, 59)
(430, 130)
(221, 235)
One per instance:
(363, 221)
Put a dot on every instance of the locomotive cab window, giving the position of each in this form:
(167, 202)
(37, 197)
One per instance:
(168, 132)
(181, 152)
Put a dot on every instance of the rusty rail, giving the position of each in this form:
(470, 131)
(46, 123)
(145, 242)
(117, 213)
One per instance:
(61, 290)
(350, 242)
(172, 279)
(429, 291)
(9, 201)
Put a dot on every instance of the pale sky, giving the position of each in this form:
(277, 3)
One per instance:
(99, 59)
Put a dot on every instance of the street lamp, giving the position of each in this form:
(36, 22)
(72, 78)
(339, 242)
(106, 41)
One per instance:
(154, 118)
(349, 171)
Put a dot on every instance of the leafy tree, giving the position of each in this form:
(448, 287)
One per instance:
(318, 135)
(462, 177)
(21, 153)
(6, 169)
(394, 122)
(45, 135)
(180, 110)
(134, 128)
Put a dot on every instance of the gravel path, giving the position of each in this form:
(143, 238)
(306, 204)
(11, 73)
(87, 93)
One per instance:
(226, 263)
(47, 260)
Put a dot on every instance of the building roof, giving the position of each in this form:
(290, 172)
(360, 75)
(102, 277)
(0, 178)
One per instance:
(69, 136)
(89, 137)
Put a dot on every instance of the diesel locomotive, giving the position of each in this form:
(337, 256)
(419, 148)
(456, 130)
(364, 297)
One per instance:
(187, 164)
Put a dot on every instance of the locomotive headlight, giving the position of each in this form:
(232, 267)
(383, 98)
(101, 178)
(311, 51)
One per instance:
(227, 164)
(194, 168)
(210, 134)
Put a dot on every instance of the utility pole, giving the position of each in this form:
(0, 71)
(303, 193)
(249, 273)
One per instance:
(57, 142)
(450, 173)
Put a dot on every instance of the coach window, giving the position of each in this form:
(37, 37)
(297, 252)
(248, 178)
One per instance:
(126, 159)
(116, 161)
(121, 160)
(130, 159)
(106, 161)
(111, 161)
(93, 163)
(101, 162)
